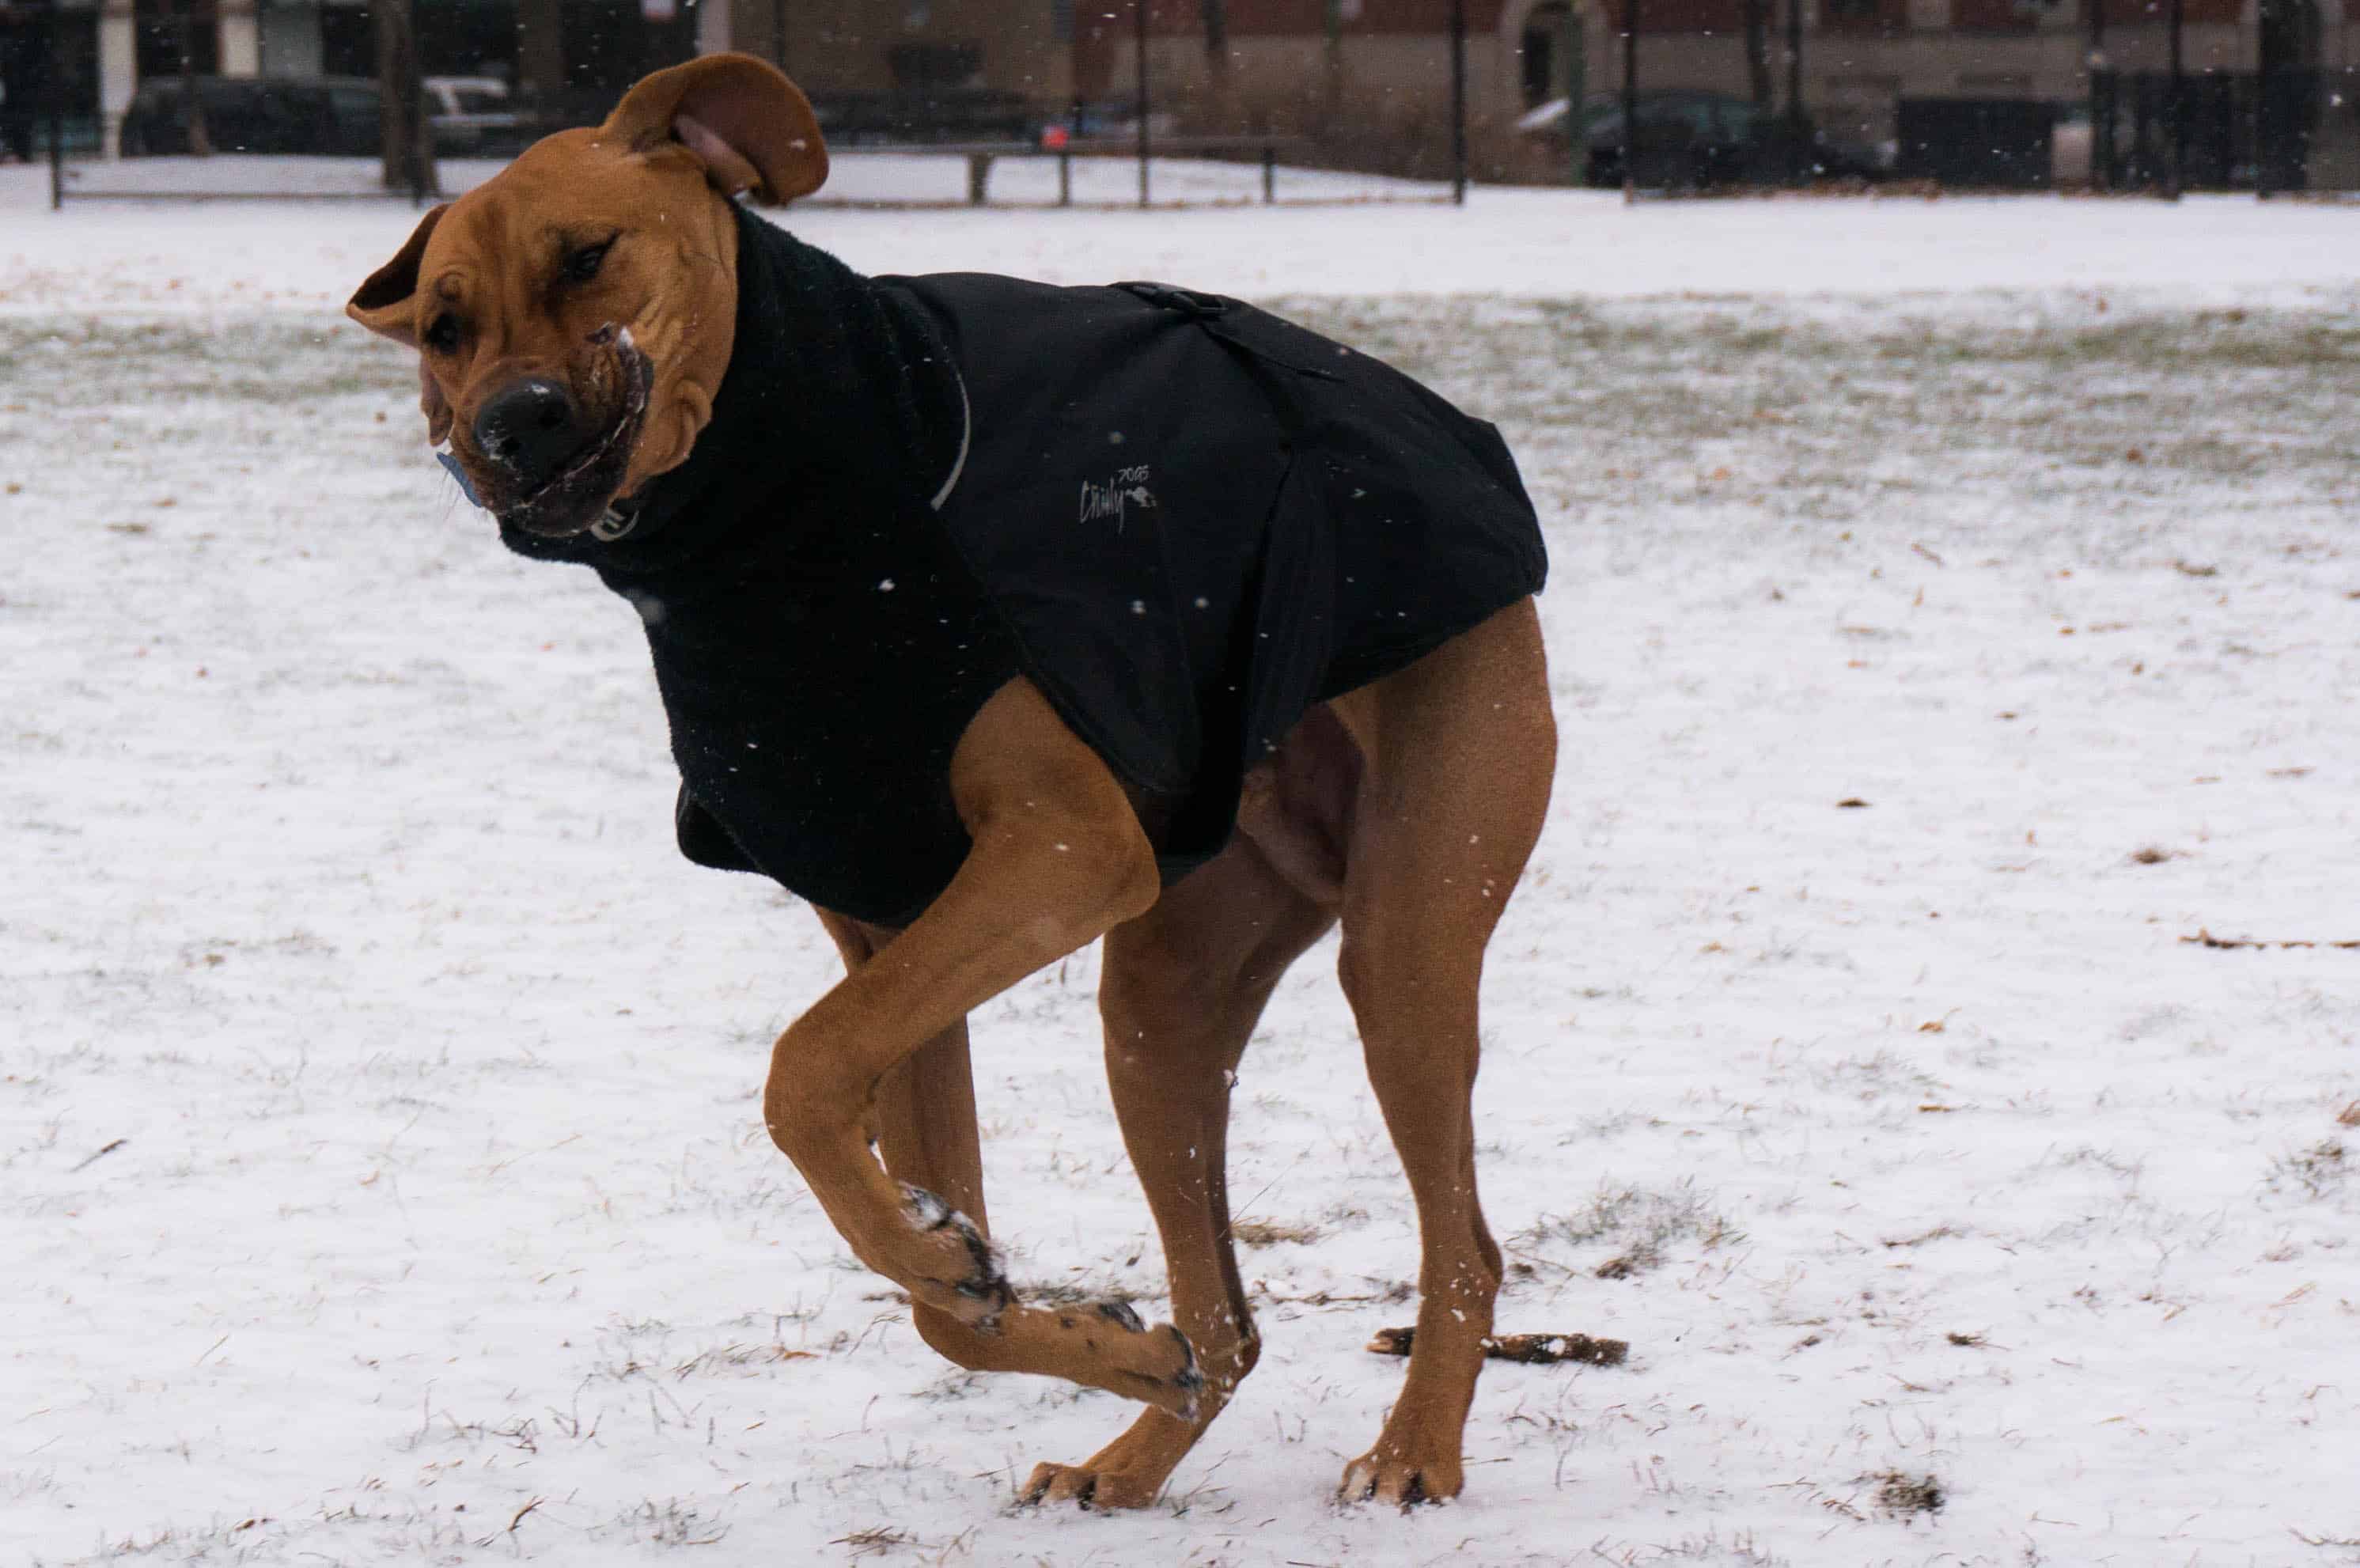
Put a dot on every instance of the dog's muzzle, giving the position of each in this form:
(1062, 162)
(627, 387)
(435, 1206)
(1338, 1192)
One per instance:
(563, 479)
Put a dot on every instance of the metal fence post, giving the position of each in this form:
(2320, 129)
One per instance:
(1268, 173)
(2176, 105)
(2106, 110)
(1458, 102)
(1139, 35)
(54, 91)
(1630, 100)
(1065, 155)
(1799, 152)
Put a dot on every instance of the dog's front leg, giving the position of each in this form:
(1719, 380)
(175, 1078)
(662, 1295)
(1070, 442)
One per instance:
(1058, 858)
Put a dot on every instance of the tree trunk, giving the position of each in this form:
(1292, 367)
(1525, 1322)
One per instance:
(1757, 52)
(192, 103)
(1331, 17)
(540, 52)
(405, 140)
(1217, 108)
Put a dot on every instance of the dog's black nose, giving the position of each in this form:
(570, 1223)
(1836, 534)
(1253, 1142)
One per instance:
(527, 429)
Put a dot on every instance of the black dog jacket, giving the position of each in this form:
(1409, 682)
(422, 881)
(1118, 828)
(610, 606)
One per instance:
(1185, 519)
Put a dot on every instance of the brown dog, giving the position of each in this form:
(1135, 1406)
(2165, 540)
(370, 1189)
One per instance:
(574, 320)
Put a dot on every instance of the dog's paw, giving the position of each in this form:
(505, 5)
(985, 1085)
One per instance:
(1401, 1480)
(1121, 1313)
(1089, 1487)
(977, 1290)
(1170, 1379)
(1155, 1366)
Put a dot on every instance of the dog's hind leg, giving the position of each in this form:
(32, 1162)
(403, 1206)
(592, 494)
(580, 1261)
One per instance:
(1460, 751)
(1184, 985)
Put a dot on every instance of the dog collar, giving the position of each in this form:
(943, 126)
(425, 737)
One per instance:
(619, 519)
(613, 523)
(451, 466)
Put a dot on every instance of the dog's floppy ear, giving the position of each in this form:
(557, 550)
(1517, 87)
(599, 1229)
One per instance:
(382, 304)
(751, 128)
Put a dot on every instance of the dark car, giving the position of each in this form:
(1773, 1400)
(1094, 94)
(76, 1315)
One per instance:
(1692, 138)
(321, 114)
(915, 115)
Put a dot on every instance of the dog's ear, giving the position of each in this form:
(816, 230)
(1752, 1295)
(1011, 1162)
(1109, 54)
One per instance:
(751, 128)
(382, 304)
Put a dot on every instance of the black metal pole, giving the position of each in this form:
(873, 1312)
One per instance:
(57, 149)
(2102, 108)
(1065, 155)
(1630, 100)
(53, 92)
(2260, 128)
(421, 132)
(1458, 102)
(2176, 105)
(1799, 152)
(2263, 64)
(1139, 32)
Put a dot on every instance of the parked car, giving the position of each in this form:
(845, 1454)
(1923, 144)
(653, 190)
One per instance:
(325, 114)
(474, 116)
(919, 115)
(1691, 137)
(322, 116)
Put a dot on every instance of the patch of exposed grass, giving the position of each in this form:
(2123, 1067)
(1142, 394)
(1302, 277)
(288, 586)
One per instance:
(1638, 1226)
(1269, 1233)
(1824, 419)
(2320, 1171)
(1905, 1497)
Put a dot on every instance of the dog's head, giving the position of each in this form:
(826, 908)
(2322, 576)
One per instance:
(572, 316)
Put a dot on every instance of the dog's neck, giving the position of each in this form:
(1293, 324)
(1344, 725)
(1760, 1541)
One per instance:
(840, 399)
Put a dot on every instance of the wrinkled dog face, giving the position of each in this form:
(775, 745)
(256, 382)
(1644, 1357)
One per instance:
(572, 315)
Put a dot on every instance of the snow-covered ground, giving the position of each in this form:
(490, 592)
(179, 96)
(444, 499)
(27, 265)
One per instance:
(1955, 611)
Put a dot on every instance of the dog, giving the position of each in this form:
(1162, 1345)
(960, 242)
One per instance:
(995, 619)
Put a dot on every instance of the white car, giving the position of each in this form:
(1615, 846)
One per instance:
(474, 116)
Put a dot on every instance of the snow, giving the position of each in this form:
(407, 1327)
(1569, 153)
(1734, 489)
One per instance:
(380, 1166)
(300, 256)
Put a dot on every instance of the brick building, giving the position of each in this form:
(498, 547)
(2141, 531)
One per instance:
(1369, 78)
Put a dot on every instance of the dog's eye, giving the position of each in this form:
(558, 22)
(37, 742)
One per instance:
(584, 264)
(443, 333)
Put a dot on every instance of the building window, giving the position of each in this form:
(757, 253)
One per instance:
(1541, 53)
(166, 32)
(930, 68)
(1864, 16)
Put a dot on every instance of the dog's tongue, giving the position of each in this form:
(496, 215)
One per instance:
(451, 465)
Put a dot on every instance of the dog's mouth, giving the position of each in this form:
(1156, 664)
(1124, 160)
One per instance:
(578, 495)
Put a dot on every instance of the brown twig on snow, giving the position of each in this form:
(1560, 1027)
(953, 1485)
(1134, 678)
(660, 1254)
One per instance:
(102, 1154)
(2206, 939)
(1533, 1349)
